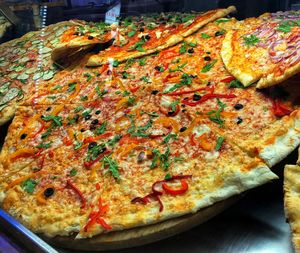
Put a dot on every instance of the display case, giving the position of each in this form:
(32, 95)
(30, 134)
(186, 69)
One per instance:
(154, 125)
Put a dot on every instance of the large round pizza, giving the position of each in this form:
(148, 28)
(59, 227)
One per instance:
(120, 126)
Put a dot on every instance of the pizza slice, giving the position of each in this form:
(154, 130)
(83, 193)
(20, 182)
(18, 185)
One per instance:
(263, 51)
(291, 201)
(147, 39)
(24, 62)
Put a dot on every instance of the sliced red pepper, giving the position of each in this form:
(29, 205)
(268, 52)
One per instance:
(205, 98)
(40, 130)
(280, 109)
(134, 88)
(95, 217)
(228, 79)
(96, 138)
(192, 139)
(90, 163)
(67, 141)
(170, 75)
(130, 139)
(174, 192)
(179, 93)
(97, 185)
(156, 192)
(168, 54)
(78, 192)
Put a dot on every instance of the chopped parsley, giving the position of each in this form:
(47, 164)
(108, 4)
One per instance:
(131, 100)
(205, 36)
(73, 172)
(178, 68)
(163, 158)
(45, 145)
(185, 80)
(73, 120)
(169, 137)
(131, 33)
(114, 140)
(145, 79)
(112, 166)
(251, 40)
(56, 120)
(236, 84)
(101, 129)
(220, 141)
(129, 63)
(79, 108)
(29, 185)
(142, 61)
(208, 66)
(168, 176)
(138, 46)
(173, 105)
(88, 77)
(78, 145)
(286, 26)
(71, 86)
(83, 98)
(100, 93)
(115, 63)
(215, 115)
(95, 151)
(183, 48)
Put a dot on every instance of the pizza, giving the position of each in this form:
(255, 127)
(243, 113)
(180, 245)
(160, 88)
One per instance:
(263, 50)
(291, 201)
(140, 140)
(24, 62)
(4, 26)
(138, 37)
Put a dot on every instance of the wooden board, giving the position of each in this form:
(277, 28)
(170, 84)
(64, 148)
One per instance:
(142, 235)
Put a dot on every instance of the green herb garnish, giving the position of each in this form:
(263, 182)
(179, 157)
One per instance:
(251, 40)
(29, 185)
(112, 166)
(220, 141)
(208, 66)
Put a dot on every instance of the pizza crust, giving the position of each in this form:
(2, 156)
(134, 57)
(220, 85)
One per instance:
(227, 54)
(217, 15)
(283, 141)
(233, 183)
(292, 201)
(270, 80)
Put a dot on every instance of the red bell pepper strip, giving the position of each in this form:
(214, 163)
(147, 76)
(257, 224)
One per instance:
(90, 163)
(192, 139)
(174, 192)
(168, 54)
(157, 192)
(280, 109)
(179, 93)
(95, 217)
(96, 138)
(228, 79)
(128, 139)
(205, 98)
(78, 192)
(40, 130)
